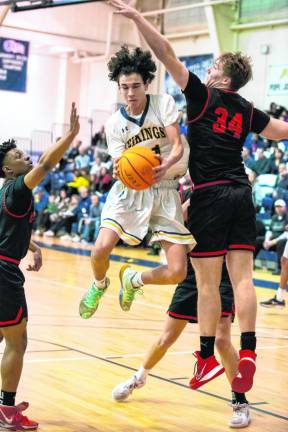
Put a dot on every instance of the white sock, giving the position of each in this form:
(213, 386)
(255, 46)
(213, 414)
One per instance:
(137, 280)
(101, 284)
(280, 294)
(142, 374)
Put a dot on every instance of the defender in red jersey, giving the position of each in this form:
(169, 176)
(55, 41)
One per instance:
(16, 218)
(221, 215)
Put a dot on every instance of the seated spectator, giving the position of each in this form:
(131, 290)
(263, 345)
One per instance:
(82, 160)
(63, 226)
(276, 236)
(96, 167)
(247, 158)
(80, 180)
(48, 216)
(104, 180)
(281, 190)
(89, 226)
(261, 165)
(40, 203)
(57, 180)
(275, 160)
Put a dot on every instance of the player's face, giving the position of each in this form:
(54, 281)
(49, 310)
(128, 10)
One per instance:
(215, 76)
(133, 90)
(17, 163)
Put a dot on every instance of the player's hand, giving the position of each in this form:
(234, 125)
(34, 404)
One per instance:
(160, 170)
(115, 173)
(74, 121)
(37, 261)
(124, 8)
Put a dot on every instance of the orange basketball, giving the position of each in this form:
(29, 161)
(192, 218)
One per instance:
(135, 167)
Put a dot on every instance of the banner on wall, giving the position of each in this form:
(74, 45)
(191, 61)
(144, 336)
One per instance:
(196, 64)
(13, 64)
(277, 80)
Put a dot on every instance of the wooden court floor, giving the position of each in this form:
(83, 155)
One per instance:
(71, 365)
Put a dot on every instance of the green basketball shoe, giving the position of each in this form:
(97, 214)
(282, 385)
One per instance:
(127, 291)
(91, 299)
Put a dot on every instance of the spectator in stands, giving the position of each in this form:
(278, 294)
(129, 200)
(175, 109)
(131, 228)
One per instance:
(104, 180)
(80, 180)
(40, 203)
(67, 218)
(261, 165)
(57, 180)
(91, 223)
(275, 160)
(96, 167)
(281, 190)
(247, 158)
(276, 236)
(275, 110)
(48, 216)
(82, 160)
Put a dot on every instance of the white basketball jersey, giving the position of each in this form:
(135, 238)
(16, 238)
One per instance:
(124, 131)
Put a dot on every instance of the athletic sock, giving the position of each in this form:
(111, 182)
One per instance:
(142, 374)
(137, 280)
(207, 346)
(280, 296)
(238, 398)
(7, 398)
(248, 341)
(101, 284)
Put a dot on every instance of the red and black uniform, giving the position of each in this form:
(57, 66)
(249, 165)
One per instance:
(184, 301)
(221, 215)
(16, 219)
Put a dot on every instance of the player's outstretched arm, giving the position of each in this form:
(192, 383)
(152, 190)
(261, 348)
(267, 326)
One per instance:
(158, 43)
(276, 130)
(54, 154)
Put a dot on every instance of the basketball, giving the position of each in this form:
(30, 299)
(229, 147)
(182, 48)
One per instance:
(136, 167)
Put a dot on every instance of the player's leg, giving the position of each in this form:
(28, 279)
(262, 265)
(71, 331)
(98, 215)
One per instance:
(106, 241)
(241, 246)
(172, 330)
(12, 360)
(208, 276)
(176, 269)
(166, 222)
(229, 358)
(11, 368)
(279, 299)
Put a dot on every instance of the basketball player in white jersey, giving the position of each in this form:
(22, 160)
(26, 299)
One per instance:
(151, 121)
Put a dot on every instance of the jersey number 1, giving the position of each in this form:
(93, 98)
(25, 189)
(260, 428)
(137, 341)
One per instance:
(234, 125)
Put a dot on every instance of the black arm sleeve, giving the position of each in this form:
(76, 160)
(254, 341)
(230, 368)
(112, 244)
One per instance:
(18, 196)
(196, 95)
(259, 121)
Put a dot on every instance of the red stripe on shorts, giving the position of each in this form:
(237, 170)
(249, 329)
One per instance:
(15, 321)
(208, 254)
(241, 246)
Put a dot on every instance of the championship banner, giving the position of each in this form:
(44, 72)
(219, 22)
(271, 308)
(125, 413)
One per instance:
(277, 83)
(13, 64)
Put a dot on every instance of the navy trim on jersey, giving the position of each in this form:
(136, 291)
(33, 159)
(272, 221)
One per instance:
(139, 122)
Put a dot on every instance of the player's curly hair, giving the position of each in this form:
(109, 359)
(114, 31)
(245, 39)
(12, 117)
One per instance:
(238, 67)
(5, 147)
(126, 62)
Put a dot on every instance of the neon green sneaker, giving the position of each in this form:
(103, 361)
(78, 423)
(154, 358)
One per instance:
(127, 291)
(91, 299)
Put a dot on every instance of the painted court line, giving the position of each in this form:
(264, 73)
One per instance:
(260, 410)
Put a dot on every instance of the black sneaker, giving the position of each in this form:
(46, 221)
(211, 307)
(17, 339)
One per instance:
(273, 302)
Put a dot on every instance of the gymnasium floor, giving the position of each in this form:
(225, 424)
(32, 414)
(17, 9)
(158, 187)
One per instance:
(72, 364)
